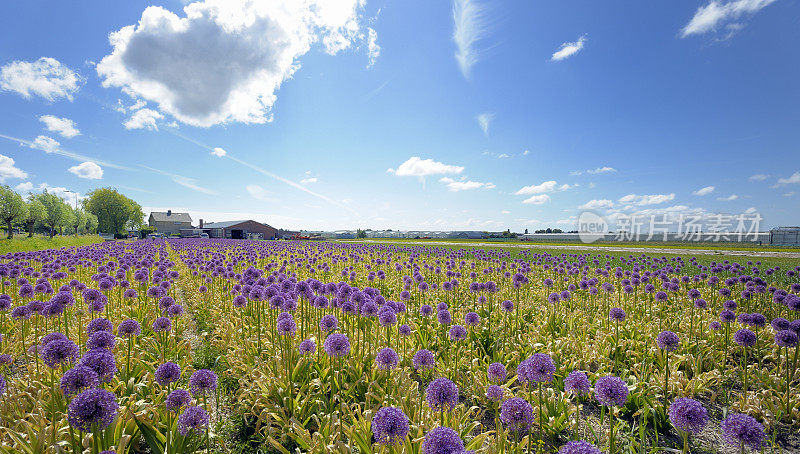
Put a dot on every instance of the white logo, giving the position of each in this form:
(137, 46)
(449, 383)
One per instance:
(591, 227)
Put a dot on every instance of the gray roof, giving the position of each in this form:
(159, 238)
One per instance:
(226, 224)
(161, 216)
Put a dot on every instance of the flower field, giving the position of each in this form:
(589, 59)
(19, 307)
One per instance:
(198, 345)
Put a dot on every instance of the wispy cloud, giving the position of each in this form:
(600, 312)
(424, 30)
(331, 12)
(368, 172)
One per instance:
(704, 191)
(642, 200)
(49, 145)
(186, 182)
(64, 126)
(484, 120)
(569, 49)
(464, 185)
(257, 192)
(599, 170)
(596, 204)
(469, 28)
(758, 177)
(730, 198)
(793, 179)
(716, 13)
(372, 47)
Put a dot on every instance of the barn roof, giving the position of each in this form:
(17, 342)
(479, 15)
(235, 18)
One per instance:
(226, 224)
(161, 216)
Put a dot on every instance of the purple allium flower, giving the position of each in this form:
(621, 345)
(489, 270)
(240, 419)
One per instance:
(458, 333)
(94, 408)
(742, 430)
(78, 379)
(579, 447)
(425, 310)
(167, 373)
(786, 338)
(177, 399)
(616, 314)
(576, 383)
(46, 339)
(193, 419)
(517, 415)
(424, 360)
(129, 328)
(758, 320)
(337, 345)
(386, 359)
(730, 305)
(161, 324)
(442, 394)
(688, 415)
(442, 440)
(472, 319)
(669, 341)
(700, 303)
(101, 361)
(390, 426)
(387, 317)
(744, 318)
(404, 330)
(176, 310)
(444, 318)
(307, 347)
(6, 359)
(21, 313)
(495, 393)
(239, 301)
(715, 326)
(101, 339)
(286, 325)
(203, 382)
(780, 324)
(99, 324)
(745, 337)
(507, 305)
(727, 316)
(497, 372)
(328, 323)
(611, 391)
(538, 368)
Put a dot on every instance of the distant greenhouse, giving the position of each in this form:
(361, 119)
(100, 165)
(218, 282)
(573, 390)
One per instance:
(785, 236)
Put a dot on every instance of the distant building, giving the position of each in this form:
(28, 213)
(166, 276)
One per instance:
(785, 236)
(169, 223)
(241, 230)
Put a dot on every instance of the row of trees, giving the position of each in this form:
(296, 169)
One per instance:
(104, 210)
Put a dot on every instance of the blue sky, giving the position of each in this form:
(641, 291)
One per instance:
(330, 114)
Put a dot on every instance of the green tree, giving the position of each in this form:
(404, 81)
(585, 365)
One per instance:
(79, 220)
(114, 211)
(361, 233)
(36, 213)
(91, 223)
(12, 208)
(55, 208)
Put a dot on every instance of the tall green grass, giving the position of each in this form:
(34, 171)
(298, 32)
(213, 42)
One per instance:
(22, 243)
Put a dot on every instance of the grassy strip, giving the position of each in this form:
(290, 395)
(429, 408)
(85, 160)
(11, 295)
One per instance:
(38, 242)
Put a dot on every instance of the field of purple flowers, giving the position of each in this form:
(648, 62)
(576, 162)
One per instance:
(239, 346)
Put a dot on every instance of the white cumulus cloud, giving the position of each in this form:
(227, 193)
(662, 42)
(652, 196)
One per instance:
(469, 27)
(704, 191)
(539, 199)
(45, 77)
(24, 187)
(88, 170)
(547, 186)
(63, 126)
(716, 13)
(596, 204)
(372, 47)
(418, 167)
(464, 185)
(642, 200)
(569, 49)
(223, 61)
(8, 169)
(46, 144)
(219, 152)
(309, 180)
(144, 119)
(793, 179)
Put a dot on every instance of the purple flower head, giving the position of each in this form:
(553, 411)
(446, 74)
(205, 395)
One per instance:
(715, 326)
(99, 324)
(780, 324)
(444, 318)
(94, 408)
(579, 447)
(497, 372)
(239, 301)
(21, 313)
(328, 323)
(46, 339)
(688, 415)
(442, 395)
(538, 368)
(162, 324)
(507, 305)
(611, 391)
(101, 361)
(101, 339)
(78, 379)
(495, 393)
(167, 373)
(177, 399)
(286, 325)
(129, 328)
(517, 415)
(458, 333)
(425, 310)
(424, 360)
(669, 341)
(442, 440)
(730, 305)
(786, 338)
(616, 314)
(192, 420)
(742, 430)
(307, 347)
(576, 383)
(203, 382)
(745, 337)
(387, 317)
(727, 316)
(390, 426)
(404, 330)
(337, 345)
(58, 352)
(386, 359)
(472, 319)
